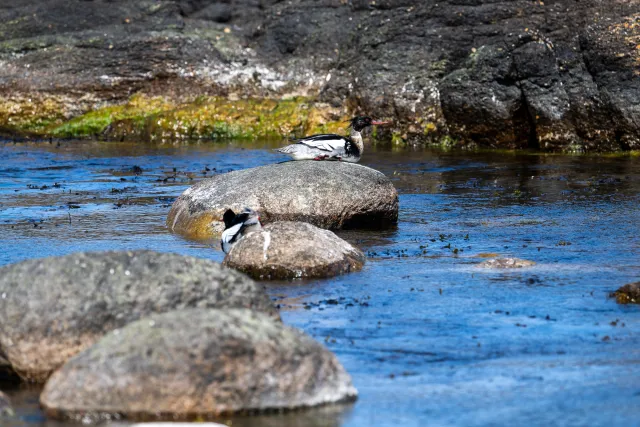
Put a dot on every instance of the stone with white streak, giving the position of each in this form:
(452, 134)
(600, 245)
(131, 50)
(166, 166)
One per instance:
(286, 250)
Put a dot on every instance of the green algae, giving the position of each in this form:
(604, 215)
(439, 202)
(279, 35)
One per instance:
(204, 118)
(95, 122)
(24, 115)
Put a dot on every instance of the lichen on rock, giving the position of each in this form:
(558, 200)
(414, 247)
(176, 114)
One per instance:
(331, 195)
(197, 364)
(53, 308)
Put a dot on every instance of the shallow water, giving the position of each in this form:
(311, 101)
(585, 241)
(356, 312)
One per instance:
(427, 336)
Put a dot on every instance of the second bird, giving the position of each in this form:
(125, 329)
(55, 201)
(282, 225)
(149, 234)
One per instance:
(237, 226)
(331, 146)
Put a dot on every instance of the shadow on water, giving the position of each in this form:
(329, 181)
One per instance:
(427, 336)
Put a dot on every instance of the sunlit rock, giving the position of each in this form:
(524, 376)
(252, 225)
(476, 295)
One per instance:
(53, 308)
(331, 195)
(197, 364)
(285, 250)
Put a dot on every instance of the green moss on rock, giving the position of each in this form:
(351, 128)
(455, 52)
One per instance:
(161, 119)
(97, 121)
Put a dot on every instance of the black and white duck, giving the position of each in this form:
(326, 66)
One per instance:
(331, 146)
(237, 225)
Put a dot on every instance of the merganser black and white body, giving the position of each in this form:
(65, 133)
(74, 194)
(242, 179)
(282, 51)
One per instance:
(237, 226)
(331, 146)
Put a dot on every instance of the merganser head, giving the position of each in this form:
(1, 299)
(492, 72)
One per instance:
(249, 216)
(360, 122)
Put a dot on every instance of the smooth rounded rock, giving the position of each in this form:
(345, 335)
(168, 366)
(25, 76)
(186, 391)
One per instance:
(196, 364)
(500, 263)
(330, 195)
(285, 250)
(628, 294)
(53, 308)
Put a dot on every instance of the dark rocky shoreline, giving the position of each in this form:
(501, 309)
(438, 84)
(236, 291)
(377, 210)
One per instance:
(554, 76)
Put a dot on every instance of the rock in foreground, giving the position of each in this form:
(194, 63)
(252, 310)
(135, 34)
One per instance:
(197, 364)
(629, 293)
(506, 263)
(286, 250)
(331, 195)
(53, 308)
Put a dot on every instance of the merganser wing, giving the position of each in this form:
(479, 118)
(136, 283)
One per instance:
(324, 142)
(229, 236)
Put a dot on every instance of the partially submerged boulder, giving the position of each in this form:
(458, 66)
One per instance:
(506, 263)
(53, 308)
(6, 410)
(331, 195)
(197, 364)
(629, 293)
(286, 250)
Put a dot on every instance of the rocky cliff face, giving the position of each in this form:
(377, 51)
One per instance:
(554, 75)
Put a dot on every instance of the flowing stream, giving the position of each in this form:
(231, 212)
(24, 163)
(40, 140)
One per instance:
(428, 337)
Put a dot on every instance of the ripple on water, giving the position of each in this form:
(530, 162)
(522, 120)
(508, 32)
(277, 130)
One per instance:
(426, 335)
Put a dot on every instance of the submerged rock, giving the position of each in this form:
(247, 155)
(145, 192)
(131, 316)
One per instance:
(197, 364)
(506, 263)
(330, 195)
(286, 250)
(6, 410)
(53, 308)
(629, 293)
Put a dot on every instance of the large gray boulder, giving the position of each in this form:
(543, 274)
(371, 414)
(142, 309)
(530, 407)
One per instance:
(330, 195)
(197, 364)
(53, 308)
(286, 250)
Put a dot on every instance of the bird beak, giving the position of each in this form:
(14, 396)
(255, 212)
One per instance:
(377, 122)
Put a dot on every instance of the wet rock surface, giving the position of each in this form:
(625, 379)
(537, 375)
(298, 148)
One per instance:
(516, 74)
(330, 195)
(506, 263)
(287, 250)
(6, 410)
(197, 364)
(53, 308)
(629, 293)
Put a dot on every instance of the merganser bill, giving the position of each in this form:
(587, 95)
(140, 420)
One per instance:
(237, 226)
(331, 146)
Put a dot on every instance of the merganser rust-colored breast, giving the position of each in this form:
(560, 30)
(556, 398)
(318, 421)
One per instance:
(331, 195)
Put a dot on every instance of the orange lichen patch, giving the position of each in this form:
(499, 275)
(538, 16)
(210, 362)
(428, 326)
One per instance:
(204, 225)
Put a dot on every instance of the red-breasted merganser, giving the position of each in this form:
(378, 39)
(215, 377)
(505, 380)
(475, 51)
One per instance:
(237, 226)
(331, 146)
